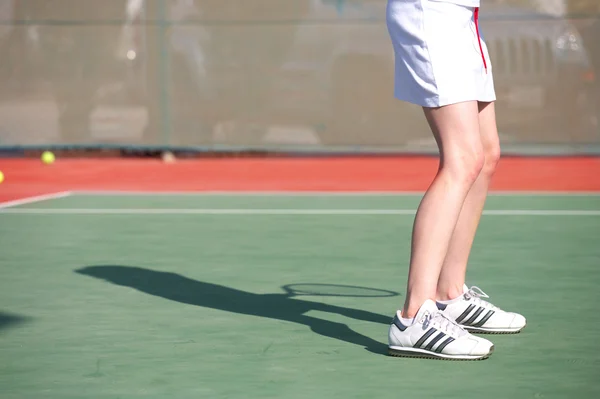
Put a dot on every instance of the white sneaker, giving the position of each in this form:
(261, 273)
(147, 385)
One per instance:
(434, 335)
(477, 315)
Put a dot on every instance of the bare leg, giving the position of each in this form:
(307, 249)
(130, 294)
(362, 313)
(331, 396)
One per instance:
(456, 130)
(452, 276)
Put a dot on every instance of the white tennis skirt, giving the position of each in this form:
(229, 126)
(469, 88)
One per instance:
(440, 56)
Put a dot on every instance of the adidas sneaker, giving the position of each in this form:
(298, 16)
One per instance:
(433, 335)
(477, 315)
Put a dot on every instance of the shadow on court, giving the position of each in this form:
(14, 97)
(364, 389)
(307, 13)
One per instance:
(10, 320)
(275, 306)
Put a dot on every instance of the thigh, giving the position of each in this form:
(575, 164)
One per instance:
(456, 129)
(488, 129)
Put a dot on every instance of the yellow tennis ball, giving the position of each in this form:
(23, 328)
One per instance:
(48, 157)
(1, 176)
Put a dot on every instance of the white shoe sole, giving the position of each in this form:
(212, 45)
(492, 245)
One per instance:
(483, 330)
(399, 351)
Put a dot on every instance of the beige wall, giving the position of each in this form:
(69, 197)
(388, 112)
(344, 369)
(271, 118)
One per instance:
(269, 73)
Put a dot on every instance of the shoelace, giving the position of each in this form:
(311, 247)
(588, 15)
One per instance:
(476, 294)
(443, 323)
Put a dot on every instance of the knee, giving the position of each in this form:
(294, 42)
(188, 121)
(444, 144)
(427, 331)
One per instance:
(466, 166)
(492, 158)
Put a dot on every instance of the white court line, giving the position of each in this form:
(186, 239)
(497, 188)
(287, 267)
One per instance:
(33, 199)
(217, 211)
(282, 193)
(323, 193)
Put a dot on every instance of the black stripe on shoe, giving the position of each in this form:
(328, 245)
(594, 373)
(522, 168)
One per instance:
(441, 346)
(485, 318)
(434, 341)
(398, 323)
(465, 313)
(422, 340)
(474, 317)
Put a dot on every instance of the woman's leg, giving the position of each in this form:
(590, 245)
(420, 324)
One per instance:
(456, 130)
(452, 276)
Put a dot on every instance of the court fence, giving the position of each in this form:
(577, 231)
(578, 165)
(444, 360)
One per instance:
(275, 76)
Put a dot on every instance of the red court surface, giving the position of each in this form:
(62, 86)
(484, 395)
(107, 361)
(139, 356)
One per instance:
(29, 177)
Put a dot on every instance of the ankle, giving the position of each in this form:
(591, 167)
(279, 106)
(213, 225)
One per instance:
(450, 292)
(409, 312)
(411, 307)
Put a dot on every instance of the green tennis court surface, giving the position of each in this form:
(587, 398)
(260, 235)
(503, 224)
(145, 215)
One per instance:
(180, 296)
